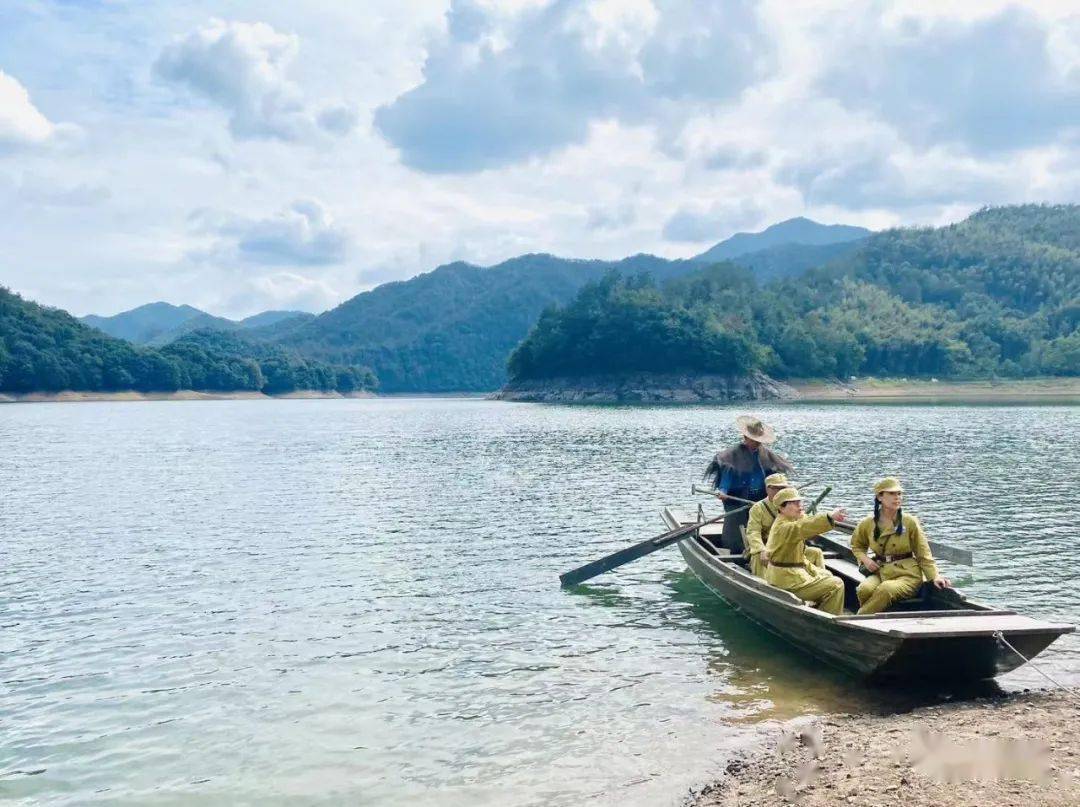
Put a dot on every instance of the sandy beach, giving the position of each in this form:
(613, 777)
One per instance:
(1019, 749)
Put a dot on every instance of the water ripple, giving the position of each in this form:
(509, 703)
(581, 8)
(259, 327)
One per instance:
(327, 601)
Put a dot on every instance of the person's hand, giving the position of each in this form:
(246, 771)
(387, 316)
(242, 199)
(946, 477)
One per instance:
(942, 582)
(839, 514)
(871, 566)
(765, 558)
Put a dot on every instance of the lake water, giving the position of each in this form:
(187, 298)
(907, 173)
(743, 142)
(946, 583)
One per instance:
(357, 600)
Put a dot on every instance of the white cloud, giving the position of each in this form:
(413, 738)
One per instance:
(603, 127)
(21, 123)
(303, 234)
(283, 290)
(243, 68)
(40, 190)
(497, 92)
(710, 223)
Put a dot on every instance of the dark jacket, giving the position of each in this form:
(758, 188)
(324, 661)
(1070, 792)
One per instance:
(741, 472)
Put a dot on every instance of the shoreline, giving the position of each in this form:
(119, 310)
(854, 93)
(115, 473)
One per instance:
(1061, 390)
(884, 390)
(655, 389)
(70, 396)
(1018, 749)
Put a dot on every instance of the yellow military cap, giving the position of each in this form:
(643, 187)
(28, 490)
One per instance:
(776, 481)
(889, 484)
(785, 496)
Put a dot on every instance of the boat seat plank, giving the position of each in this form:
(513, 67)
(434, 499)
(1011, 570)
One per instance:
(963, 624)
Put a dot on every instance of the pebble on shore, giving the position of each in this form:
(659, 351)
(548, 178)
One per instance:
(1021, 750)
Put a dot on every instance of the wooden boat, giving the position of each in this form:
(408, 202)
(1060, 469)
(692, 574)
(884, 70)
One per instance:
(937, 635)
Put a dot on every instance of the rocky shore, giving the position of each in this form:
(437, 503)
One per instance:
(1017, 750)
(677, 388)
(649, 388)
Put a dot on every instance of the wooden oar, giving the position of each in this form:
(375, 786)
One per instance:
(820, 498)
(623, 556)
(964, 557)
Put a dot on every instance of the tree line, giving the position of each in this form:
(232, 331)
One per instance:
(47, 350)
(995, 295)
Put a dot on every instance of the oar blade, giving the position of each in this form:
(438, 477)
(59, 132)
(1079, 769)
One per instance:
(963, 557)
(623, 556)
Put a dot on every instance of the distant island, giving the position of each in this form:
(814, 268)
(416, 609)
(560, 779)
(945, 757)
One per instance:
(997, 295)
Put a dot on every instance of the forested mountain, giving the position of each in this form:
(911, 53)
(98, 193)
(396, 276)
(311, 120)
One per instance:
(48, 350)
(452, 329)
(791, 260)
(160, 323)
(793, 232)
(998, 293)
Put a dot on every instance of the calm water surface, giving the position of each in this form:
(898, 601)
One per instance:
(325, 601)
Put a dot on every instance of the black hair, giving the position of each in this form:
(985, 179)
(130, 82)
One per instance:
(899, 526)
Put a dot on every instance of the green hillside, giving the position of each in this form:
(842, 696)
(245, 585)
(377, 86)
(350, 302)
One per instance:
(997, 294)
(452, 329)
(48, 350)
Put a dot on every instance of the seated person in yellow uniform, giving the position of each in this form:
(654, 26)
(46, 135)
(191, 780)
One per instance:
(762, 516)
(785, 553)
(902, 555)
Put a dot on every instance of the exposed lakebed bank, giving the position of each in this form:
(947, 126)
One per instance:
(677, 388)
(651, 388)
(1019, 749)
(70, 396)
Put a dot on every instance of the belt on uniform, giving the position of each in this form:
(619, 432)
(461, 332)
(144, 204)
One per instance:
(891, 558)
(787, 565)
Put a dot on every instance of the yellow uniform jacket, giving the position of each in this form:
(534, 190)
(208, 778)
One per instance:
(762, 516)
(912, 540)
(787, 542)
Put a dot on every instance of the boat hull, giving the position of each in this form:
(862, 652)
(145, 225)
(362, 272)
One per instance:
(908, 648)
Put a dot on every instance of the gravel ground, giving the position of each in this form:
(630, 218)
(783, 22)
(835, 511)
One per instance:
(1021, 749)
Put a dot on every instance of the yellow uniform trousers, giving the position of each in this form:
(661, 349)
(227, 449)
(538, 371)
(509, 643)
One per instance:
(824, 590)
(875, 594)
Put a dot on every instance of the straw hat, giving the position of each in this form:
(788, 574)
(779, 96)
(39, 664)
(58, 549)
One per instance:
(889, 484)
(785, 496)
(754, 429)
(777, 481)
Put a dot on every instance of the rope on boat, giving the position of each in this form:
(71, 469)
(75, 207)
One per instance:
(1001, 638)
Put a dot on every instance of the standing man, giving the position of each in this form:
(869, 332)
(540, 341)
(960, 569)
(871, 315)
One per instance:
(741, 471)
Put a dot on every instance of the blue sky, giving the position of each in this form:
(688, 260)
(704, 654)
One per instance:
(240, 156)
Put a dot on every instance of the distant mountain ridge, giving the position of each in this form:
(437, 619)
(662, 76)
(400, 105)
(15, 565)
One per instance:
(451, 329)
(161, 323)
(797, 231)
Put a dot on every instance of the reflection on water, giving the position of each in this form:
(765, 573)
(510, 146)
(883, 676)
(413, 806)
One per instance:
(768, 679)
(327, 601)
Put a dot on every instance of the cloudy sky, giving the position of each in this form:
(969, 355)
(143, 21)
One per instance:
(240, 156)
